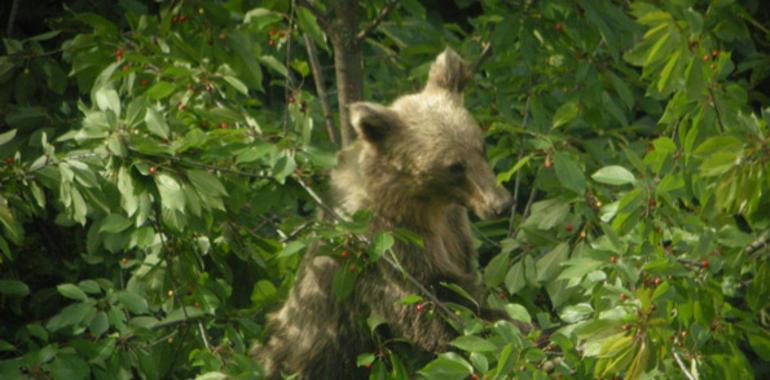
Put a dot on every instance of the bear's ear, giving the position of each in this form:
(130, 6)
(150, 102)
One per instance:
(448, 72)
(373, 122)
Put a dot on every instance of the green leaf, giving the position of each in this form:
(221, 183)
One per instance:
(409, 299)
(506, 176)
(90, 286)
(13, 288)
(160, 90)
(132, 301)
(70, 315)
(128, 200)
(760, 343)
(665, 75)
(365, 359)
(7, 136)
(115, 223)
(518, 312)
(99, 324)
(72, 291)
(237, 84)
(576, 313)
(309, 25)
(343, 282)
(156, 123)
(515, 279)
(263, 293)
(381, 243)
(494, 272)
(621, 88)
(565, 113)
(107, 99)
(171, 194)
(448, 366)
(206, 183)
(473, 343)
(654, 53)
(569, 173)
(549, 266)
(614, 175)
(718, 143)
(271, 62)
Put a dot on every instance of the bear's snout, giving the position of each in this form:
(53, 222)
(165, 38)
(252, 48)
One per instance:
(504, 207)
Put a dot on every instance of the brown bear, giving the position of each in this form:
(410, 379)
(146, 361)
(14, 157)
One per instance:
(417, 164)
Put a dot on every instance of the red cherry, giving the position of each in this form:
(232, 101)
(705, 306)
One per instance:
(569, 227)
(144, 82)
(271, 33)
(713, 66)
(345, 254)
(223, 125)
(657, 281)
(182, 18)
(368, 365)
(715, 53)
(559, 27)
(548, 163)
(352, 269)
(271, 42)
(10, 160)
(705, 264)
(291, 99)
(125, 68)
(153, 170)
(221, 36)
(614, 259)
(623, 296)
(706, 58)
(420, 307)
(118, 54)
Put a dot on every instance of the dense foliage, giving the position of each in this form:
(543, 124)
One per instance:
(162, 165)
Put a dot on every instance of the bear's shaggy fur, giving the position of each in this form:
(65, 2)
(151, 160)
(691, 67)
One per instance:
(417, 164)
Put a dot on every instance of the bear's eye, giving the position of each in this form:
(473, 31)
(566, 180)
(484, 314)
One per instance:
(457, 168)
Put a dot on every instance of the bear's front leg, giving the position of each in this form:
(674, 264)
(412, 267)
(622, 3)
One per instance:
(383, 289)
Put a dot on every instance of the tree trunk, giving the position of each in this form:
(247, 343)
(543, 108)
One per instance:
(348, 62)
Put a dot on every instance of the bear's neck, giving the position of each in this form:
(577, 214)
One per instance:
(444, 229)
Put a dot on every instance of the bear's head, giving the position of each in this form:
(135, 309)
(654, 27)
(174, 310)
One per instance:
(426, 148)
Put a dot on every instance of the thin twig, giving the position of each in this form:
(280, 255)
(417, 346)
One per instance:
(288, 87)
(517, 182)
(526, 208)
(486, 52)
(377, 20)
(716, 109)
(320, 87)
(203, 336)
(683, 367)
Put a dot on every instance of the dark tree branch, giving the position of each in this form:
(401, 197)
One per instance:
(320, 87)
(377, 20)
(762, 242)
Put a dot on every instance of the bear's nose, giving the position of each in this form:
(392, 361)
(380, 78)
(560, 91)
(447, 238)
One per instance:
(504, 208)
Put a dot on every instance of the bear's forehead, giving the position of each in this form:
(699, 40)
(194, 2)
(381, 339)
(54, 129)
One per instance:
(438, 117)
